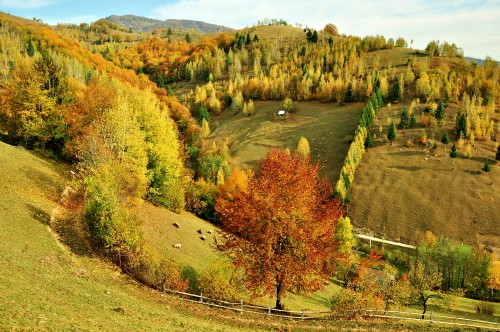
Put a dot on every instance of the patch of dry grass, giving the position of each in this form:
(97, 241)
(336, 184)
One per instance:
(327, 126)
(399, 190)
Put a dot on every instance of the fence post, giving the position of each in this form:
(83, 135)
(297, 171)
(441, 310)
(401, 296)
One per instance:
(241, 306)
(397, 312)
(302, 313)
(201, 297)
(432, 316)
(268, 310)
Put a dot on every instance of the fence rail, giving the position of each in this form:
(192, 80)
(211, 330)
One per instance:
(242, 307)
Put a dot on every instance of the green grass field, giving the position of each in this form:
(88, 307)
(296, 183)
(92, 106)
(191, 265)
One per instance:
(45, 286)
(327, 126)
(399, 190)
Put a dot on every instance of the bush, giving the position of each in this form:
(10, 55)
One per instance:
(221, 281)
(486, 308)
(288, 105)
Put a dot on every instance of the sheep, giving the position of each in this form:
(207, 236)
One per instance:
(199, 231)
(203, 237)
(177, 246)
(209, 231)
(176, 225)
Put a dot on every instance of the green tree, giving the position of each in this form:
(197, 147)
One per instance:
(405, 119)
(454, 152)
(445, 139)
(392, 134)
(369, 140)
(439, 114)
(30, 49)
(204, 115)
(486, 166)
(461, 126)
(396, 91)
(188, 37)
(497, 157)
(169, 31)
(413, 121)
(425, 278)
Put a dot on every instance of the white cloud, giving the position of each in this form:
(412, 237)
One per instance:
(73, 19)
(473, 25)
(27, 4)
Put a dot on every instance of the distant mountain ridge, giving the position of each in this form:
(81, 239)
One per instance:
(144, 24)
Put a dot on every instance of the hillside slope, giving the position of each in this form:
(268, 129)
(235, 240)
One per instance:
(144, 24)
(44, 286)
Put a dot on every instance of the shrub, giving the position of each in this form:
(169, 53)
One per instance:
(486, 166)
(288, 105)
(486, 308)
(221, 281)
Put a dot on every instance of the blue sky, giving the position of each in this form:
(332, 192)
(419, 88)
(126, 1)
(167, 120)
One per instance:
(473, 25)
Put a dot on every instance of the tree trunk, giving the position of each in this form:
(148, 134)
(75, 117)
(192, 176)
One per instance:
(425, 309)
(278, 296)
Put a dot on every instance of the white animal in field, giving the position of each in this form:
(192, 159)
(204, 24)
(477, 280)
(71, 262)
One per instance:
(177, 246)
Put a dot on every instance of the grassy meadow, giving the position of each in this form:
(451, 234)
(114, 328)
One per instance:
(327, 126)
(406, 187)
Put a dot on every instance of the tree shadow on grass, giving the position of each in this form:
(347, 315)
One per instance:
(39, 214)
(472, 172)
(407, 168)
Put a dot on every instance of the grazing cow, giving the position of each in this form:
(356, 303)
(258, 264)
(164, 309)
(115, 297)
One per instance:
(176, 225)
(177, 246)
(199, 231)
(203, 237)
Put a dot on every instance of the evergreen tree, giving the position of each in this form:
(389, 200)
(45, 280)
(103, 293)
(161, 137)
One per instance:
(461, 125)
(203, 115)
(486, 166)
(413, 121)
(248, 40)
(31, 48)
(188, 38)
(369, 139)
(440, 113)
(396, 91)
(497, 157)
(453, 152)
(392, 134)
(380, 99)
(405, 119)
(330, 41)
(169, 32)
(255, 38)
(445, 139)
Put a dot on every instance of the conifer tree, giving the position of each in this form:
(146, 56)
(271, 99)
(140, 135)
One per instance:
(486, 166)
(445, 139)
(31, 48)
(369, 140)
(453, 152)
(440, 113)
(396, 91)
(413, 121)
(497, 157)
(405, 119)
(392, 134)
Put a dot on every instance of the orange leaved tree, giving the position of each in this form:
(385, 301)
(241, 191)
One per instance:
(282, 227)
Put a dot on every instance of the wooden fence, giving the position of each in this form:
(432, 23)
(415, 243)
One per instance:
(429, 318)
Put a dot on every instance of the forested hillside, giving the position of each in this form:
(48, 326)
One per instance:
(144, 24)
(281, 137)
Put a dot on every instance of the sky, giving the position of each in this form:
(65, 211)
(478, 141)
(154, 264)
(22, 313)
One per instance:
(472, 25)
